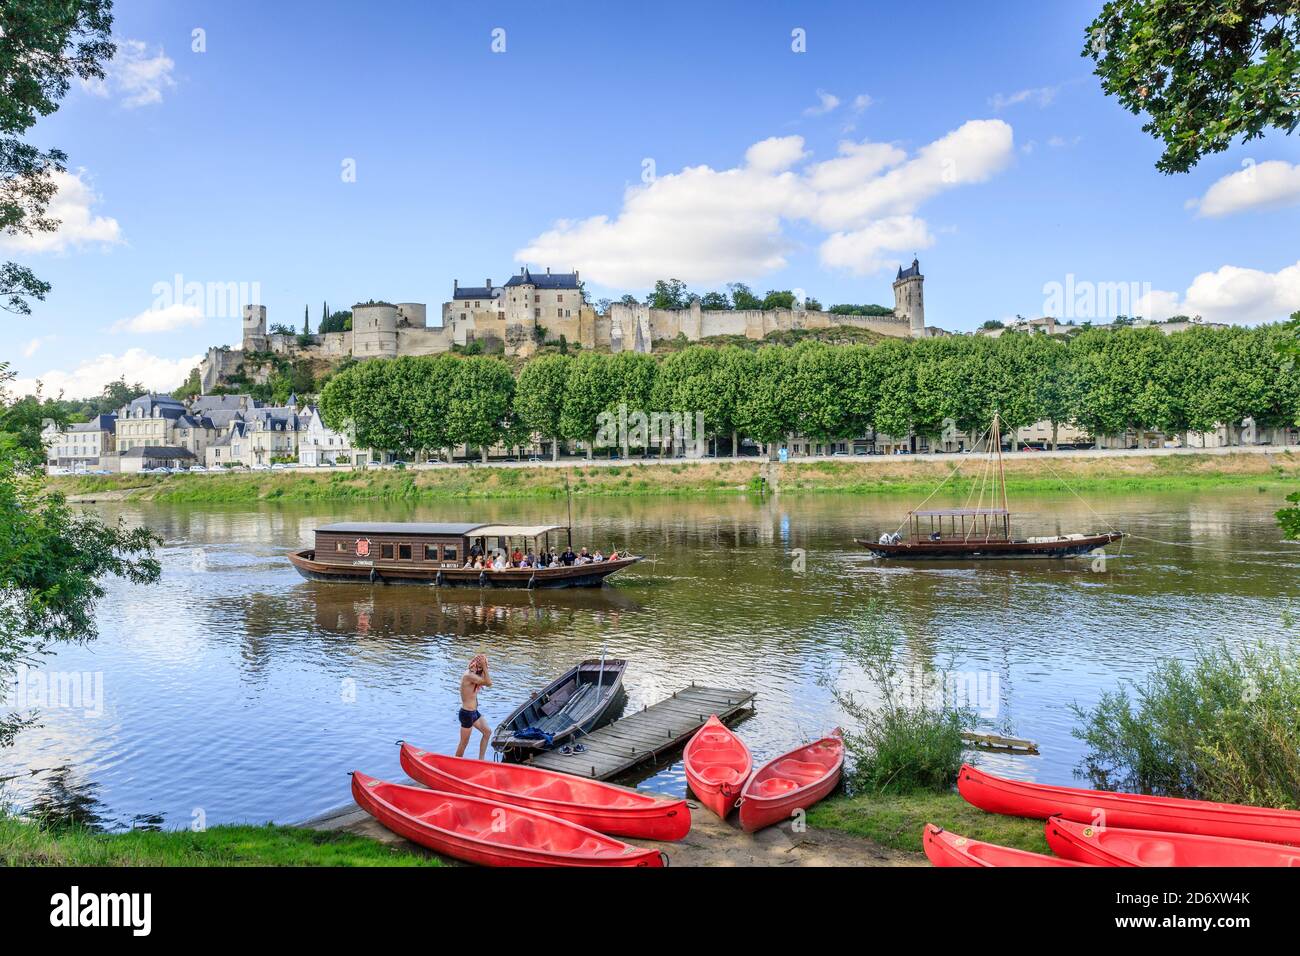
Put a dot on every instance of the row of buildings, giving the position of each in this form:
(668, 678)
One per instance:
(212, 431)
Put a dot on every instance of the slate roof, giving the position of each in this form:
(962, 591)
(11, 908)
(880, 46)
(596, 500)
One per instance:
(157, 451)
(546, 280)
(913, 270)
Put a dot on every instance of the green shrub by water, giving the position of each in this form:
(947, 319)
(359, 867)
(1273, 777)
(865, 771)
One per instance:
(904, 741)
(1224, 727)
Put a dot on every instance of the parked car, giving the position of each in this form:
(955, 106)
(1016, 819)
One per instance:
(197, 468)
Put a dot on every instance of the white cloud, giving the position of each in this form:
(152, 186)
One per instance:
(866, 250)
(775, 153)
(135, 76)
(1038, 95)
(34, 345)
(969, 154)
(861, 102)
(78, 226)
(1061, 142)
(703, 225)
(1265, 185)
(89, 378)
(166, 319)
(1231, 294)
(825, 103)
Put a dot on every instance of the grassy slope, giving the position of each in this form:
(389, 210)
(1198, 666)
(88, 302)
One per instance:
(875, 476)
(896, 821)
(25, 844)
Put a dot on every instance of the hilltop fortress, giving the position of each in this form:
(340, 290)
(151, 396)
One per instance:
(533, 308)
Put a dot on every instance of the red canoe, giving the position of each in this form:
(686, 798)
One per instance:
(588, 803)
(490, 833)
(949, 849)
(793, 781)
(1128, 810)
(717, 765)
(1111, 846)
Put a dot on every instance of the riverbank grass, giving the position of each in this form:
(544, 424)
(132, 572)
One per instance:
(24, 843)
(897, 820)
(1025, 474)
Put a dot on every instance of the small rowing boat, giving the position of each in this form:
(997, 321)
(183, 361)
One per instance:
(793, 781)
(717, 765)
(583, 698)
(488, 832)
(590, 803)
(1114, 846)
(948, 849)
(1127, 810)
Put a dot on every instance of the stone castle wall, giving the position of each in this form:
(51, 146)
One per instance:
(385, 330)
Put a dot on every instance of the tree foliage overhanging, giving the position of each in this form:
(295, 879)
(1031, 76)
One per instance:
(1203, 72)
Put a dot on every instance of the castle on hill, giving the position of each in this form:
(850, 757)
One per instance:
(532, 308)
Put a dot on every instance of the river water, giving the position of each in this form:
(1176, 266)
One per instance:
(236, 691)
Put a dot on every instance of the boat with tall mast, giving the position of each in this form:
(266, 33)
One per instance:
(983, 532)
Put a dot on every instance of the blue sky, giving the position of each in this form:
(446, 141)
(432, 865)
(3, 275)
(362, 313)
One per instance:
(971, 134)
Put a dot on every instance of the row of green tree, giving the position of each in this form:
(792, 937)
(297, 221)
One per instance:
(1105, 381)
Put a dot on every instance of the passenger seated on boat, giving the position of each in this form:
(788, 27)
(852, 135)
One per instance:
(516, 558)
(469, 563)
(935, 536)
(568, 557)
(597, 556)
(500, 563)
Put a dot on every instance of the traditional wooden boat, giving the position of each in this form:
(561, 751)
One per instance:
(431, 553)
(585, 697)
(717, 764)
(1127, 810)
(488, 832)
(793, 781)
(1114, 846)
(948, 849)
(959, 534)
(599, 806)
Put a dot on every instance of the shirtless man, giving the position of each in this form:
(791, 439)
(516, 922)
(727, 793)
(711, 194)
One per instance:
(475, 677)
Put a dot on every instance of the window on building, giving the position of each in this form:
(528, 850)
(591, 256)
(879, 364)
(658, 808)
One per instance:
(449, 552)
(431, 552)
(340, 546)
(386, 551)
(537, 313)
(404, 552)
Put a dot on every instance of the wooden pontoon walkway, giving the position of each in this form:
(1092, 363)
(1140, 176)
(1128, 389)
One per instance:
(647, 734)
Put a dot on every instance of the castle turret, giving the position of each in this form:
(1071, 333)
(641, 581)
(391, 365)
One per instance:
(909, 298)
(254, 328)
(374, 330)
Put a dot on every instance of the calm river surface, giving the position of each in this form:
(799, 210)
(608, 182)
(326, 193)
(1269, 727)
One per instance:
(238, 690)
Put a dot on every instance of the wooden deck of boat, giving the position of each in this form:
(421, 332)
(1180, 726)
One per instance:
(646, 735)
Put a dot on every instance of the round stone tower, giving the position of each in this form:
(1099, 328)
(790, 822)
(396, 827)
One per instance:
(254, 339)
(374, 330)
(909, 298)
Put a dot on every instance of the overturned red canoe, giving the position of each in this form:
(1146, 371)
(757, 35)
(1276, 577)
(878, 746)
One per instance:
(1127, 810)
(588, 803)
(793, 781)
(717, 765)
(490, 833)
(948, 849)
(1113, 846)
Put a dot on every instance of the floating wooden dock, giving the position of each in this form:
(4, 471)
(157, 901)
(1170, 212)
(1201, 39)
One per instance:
(644, 736)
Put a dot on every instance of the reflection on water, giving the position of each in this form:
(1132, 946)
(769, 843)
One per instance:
(237, 689)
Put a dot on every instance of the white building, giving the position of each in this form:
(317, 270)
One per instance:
(320, 445)
(81, 446)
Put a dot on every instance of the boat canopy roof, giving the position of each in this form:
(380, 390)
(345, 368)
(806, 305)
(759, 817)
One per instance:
(960, 512)
(399, 527)
(515, 530)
